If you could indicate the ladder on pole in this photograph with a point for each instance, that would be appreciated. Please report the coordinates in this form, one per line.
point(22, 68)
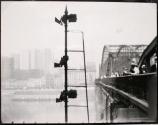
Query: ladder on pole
point(85, 78)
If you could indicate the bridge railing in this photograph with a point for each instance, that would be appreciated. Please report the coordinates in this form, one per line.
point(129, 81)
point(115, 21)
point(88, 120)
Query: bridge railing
point(140, 90)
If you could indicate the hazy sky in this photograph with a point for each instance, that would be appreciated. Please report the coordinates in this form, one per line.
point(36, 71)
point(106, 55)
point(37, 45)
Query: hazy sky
point(30, 24)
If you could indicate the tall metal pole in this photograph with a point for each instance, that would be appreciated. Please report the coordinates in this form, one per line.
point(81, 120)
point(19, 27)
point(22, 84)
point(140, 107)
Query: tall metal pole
point(66, 98)
point(64, 19)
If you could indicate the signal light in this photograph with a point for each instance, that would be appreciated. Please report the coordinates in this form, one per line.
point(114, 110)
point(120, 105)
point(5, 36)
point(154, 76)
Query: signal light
point(58, 100)
point(57, 65)
point(62, 62)
point(72, 18)
point(72, 93)
point(62, 97)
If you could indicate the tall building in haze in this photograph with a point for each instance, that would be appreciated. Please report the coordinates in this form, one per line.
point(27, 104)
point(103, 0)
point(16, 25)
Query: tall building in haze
point(34, 60)
point(7, 67)
point(16, 59)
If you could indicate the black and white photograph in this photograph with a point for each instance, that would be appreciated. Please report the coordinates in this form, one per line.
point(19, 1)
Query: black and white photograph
point(79, 62)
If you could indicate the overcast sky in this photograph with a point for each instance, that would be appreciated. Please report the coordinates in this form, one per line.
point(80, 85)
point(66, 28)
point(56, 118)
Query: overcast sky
point(30, 24)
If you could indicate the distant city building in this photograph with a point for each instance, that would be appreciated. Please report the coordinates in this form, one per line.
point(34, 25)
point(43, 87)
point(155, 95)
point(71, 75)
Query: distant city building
point(16, 59)
point(24, 60)
point(48, 60)
point(49, 80)
point(7, 67)
point(43, 60)
point(33, 65)
point(34, 59)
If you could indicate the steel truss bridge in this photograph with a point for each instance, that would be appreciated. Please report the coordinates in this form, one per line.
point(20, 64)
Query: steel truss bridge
point(131, 98)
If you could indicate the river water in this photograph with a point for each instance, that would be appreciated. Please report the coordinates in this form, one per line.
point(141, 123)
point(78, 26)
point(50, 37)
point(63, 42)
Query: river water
point(39, 106)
